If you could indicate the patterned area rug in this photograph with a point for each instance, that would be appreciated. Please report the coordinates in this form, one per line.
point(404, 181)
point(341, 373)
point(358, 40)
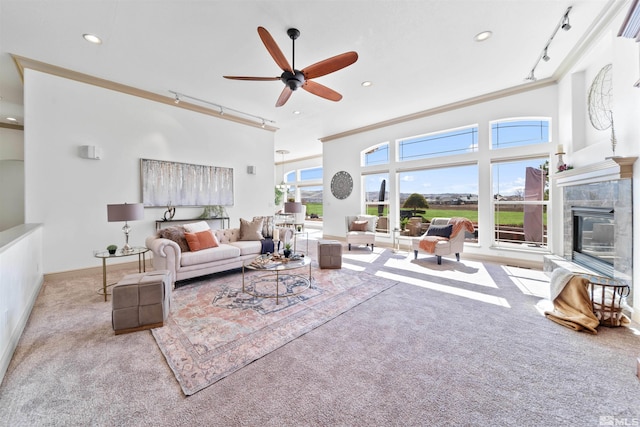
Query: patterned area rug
point(215, 329)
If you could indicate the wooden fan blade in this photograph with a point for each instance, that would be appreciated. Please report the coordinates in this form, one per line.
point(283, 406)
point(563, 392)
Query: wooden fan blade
point(321, 90)
point(330, 65)
point(274, 50)
point(260, 79)
point(284, 96)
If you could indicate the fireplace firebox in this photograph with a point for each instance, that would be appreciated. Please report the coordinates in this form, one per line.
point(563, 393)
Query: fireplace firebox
point(594, 244)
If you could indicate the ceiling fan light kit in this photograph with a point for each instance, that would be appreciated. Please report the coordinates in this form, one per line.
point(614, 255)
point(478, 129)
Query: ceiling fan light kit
point(294, 79)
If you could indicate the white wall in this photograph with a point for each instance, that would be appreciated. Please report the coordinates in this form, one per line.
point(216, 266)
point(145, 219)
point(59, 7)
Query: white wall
point(624, 56)
point(344, 154)
point(20, 281)
point(11, 178)
point(69, 194)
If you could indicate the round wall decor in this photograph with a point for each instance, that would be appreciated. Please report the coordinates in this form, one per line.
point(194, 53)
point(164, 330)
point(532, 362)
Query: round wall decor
point(341, 185)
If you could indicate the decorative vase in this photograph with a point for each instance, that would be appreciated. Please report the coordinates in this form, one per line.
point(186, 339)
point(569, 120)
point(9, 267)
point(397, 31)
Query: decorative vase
point(287, 253)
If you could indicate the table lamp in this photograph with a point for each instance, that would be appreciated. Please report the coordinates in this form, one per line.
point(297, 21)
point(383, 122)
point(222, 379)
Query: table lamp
point(292, 207)
point(125, 212)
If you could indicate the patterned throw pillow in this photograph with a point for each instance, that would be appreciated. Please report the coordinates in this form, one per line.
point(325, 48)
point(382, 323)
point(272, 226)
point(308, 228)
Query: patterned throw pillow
point(359, 225)
point(251, 230)
point(177, 235)
point(440, 230)
point(201, 240)
point(267, 226)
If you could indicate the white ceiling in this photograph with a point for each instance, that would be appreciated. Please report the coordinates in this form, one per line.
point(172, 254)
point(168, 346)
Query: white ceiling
point(418, 54)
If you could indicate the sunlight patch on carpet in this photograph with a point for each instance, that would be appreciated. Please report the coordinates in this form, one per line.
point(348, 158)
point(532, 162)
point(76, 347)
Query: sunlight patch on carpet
point(465, 271)
point(530, 282)
point(478, 296)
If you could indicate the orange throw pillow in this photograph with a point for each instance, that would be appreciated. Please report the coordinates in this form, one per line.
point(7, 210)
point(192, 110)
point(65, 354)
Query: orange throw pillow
point(201, 240)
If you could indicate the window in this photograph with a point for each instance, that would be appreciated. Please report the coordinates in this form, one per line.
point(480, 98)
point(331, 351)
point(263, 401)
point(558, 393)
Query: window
point(376, 196)
point(311, 197)
point(520, 198)
point(314, 174)
point(449, 192)
point(514, 133)
point(456, 141)
point(377, 155)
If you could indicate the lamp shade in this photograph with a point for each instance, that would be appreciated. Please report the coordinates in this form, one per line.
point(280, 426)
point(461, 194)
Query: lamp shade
point(125, 212)
point(293, 207)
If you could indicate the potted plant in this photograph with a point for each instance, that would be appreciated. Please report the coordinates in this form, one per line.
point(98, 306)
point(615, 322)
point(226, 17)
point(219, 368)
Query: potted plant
point(112, 249)
point(287, 250)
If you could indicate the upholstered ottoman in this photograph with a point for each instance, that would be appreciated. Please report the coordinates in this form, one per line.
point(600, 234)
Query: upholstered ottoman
point(141, 301)
point(329, 254)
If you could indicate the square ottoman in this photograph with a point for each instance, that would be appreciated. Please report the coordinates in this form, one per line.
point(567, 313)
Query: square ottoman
point(329, 254)
point(141, 301)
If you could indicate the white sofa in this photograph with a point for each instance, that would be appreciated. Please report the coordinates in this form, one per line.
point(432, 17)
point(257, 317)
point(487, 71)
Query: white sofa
point(230, 253)
point(361, 237)
point(444, 246)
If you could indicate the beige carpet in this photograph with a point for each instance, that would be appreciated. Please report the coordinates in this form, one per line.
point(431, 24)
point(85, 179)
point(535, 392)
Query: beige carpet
point(456, 344)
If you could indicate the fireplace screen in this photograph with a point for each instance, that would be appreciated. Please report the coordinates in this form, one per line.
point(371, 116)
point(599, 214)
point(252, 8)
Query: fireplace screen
point(594, 238)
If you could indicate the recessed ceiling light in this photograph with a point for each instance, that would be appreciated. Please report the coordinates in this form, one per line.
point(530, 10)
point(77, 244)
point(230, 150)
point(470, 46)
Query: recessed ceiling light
point(480, 37)
point(296, 112)
point(12, 119)
point(92, 38)
point(366, 83)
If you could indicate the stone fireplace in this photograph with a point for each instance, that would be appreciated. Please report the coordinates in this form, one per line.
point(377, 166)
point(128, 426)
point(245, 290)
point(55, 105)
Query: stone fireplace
point(598, 217)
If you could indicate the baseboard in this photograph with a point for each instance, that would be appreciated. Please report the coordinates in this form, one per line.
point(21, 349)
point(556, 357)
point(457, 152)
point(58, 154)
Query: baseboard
point(72, 274)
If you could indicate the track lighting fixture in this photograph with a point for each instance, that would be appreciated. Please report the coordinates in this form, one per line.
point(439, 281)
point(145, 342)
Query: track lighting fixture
point(564, 24)
point(180, 96)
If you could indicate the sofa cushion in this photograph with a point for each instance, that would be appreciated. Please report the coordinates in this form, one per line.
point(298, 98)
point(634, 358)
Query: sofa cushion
point(440, 230)
point(175, 234)
point(359, 225)
point(248, 247)
point(251, 230)
point(201, 240)
point(196, 227)
point(210, 255)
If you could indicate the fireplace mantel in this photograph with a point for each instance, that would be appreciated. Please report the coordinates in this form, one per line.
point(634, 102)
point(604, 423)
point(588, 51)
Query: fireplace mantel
point(612, 168)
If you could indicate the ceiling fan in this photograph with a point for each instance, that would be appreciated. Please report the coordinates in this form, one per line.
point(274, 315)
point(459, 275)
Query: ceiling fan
point(294, 79)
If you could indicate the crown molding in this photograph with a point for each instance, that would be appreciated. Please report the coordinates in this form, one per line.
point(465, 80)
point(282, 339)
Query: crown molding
point(11, 126)
point(444, 108)
point(27, 63)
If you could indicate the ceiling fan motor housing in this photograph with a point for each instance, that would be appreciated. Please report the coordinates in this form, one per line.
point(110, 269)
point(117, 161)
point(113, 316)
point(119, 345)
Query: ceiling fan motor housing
point(293, 81)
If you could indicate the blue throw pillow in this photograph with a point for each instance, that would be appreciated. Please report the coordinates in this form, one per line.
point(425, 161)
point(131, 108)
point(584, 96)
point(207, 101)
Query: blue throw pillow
point(440, 230)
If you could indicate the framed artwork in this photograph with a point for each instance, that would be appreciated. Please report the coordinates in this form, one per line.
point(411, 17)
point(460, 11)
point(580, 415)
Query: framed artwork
point(183, 184)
